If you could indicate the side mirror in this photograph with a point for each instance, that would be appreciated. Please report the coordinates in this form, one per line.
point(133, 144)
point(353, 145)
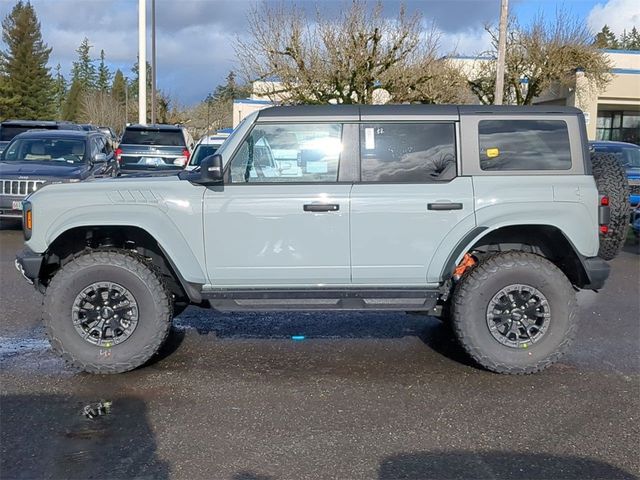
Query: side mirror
point(100, 158)
point(211, 170)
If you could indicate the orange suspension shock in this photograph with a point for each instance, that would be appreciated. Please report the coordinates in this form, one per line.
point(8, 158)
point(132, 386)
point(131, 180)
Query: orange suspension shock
point(466, 263)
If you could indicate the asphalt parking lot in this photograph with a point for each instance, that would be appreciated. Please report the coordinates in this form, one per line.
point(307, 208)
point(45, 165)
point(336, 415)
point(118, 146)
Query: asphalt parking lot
point(371, 396)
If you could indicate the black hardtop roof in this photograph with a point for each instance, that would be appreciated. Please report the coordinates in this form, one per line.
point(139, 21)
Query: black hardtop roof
point(153, 126)
point(70, 134)
point(410, 109)
point(29, 123)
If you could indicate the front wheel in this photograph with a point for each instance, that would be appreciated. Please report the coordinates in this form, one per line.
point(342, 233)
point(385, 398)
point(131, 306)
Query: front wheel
point(514, 313)
point(107, 311)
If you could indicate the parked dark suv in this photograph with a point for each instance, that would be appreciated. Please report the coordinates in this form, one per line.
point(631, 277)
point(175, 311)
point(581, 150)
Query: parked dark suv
point(154, 148)
point(11, 128)
point(37, 157)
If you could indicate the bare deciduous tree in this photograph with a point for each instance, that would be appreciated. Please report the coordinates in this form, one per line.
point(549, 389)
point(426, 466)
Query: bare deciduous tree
point(101, 108)
point(541, 56)
point(345, 59)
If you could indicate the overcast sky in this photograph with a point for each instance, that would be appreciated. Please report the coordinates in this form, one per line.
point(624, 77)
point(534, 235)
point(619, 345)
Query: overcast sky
point(195, 37)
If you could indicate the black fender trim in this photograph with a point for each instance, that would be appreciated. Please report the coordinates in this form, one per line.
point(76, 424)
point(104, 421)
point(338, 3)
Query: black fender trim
point(192, 290)
point(29, 263)
point(462, 245)
point(597, 271)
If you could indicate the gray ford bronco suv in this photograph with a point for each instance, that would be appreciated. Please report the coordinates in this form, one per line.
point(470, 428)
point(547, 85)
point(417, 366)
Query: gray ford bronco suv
point(489, 217)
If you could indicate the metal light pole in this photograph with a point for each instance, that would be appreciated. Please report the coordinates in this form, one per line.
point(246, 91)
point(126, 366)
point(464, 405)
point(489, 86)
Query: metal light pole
point(142, 61)
point(502, 46)
point(153, 61)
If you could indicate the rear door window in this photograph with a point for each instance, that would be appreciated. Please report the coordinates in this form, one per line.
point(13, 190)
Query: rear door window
point(524, 145)
point(407, 152)
point(170, 138)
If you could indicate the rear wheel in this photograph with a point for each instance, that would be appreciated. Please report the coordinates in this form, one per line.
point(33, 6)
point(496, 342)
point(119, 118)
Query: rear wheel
point(107, 311)
point(611, 180)
point(514, 313)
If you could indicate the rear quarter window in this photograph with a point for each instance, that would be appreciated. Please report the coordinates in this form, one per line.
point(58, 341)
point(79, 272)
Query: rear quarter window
point(511, 145)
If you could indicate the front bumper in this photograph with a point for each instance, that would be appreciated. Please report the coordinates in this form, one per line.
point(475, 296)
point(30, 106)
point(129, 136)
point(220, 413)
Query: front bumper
point(597, 271)
point(6, 206)
point(28, 263)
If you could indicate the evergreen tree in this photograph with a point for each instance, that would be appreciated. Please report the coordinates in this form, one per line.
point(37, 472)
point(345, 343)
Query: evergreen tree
point(59, 91)
point(83, 70)
point(606, 39)
point(119, 86)
point(231, 90)
point(73, 105)
point(26, 89)
point(133, 86)
point(633, 41)
point(624, 39)
point(104, 75)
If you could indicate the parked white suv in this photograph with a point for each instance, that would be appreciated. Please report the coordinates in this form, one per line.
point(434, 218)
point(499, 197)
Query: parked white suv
point(207, 145)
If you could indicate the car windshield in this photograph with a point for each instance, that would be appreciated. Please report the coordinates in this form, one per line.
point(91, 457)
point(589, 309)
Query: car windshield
point(629, 156)
point(136, 136)
point(45, 150)
point(201, 152)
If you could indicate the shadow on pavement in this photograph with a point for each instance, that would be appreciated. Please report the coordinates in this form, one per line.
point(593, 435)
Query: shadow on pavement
point(11, 224)
point(250, 476)
point(317, 325)
point(48, 436)
point(458, 465)
point(261, 325)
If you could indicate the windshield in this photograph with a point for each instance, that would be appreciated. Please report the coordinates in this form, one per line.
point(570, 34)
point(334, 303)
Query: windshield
point(201, 152)
point(170, 138)
point(45, 150)
point(629, 156)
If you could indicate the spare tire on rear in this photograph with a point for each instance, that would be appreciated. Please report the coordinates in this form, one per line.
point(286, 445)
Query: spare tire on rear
point(611, 180)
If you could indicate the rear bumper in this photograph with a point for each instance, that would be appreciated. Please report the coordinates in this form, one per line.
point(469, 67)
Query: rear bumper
point(597, 271)
point(28, 263)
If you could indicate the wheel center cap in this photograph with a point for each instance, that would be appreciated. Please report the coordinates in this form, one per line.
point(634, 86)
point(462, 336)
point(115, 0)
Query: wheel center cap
point(106, 312)
point(516, 314)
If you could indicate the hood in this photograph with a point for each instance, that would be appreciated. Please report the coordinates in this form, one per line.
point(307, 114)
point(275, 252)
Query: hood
point(30, 169)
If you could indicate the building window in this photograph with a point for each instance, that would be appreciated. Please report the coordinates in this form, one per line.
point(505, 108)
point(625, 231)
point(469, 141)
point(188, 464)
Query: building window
point(621, 126)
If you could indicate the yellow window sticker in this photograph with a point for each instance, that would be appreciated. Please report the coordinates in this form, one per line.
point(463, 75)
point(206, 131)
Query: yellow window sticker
point(493, 152)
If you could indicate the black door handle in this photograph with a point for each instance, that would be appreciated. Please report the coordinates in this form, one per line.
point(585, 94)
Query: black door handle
point(321, 207)
point(444, 206)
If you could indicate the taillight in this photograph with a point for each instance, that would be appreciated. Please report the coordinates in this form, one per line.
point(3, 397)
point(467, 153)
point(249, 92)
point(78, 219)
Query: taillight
point(604, 215)
point(119, 155)
point(186, 153)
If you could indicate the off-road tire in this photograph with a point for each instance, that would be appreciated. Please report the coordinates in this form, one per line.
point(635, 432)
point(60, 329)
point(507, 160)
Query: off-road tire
point(133, 273)
point(611, 180)
point(473, 293)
